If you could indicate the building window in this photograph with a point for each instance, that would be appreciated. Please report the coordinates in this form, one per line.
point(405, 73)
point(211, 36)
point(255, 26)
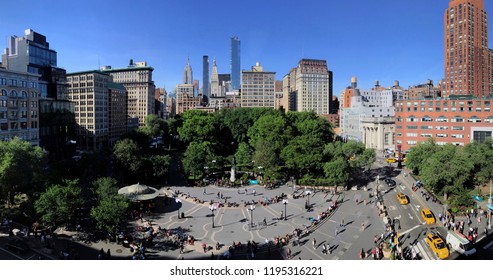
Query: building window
point(442, 119)
point(412, 127)
point(441, 135)
point(426, 135)
point(441, 127)
point(481, 136)
point(411, 134)
point(457, 135)
point(457, 128)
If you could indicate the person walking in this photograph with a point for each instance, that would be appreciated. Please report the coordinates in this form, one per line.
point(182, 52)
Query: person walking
point(314, 242)
point(289, 253)
point(342, 223)
point(362, 254)
point(324, 249)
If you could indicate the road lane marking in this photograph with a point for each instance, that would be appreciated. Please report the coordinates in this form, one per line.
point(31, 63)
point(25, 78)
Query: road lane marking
point(409, 230)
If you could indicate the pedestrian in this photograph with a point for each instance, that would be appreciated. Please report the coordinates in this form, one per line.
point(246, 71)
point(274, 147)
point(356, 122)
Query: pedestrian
point(253, 191)
point(375, 239)
point(101, 254)
point(238, 191)
point(342, 223)
point(204, 191)
point(314, 242)
point(182, 248)
point(212, 255)
point(204, 246)
point(324, 249)
point(108, 254)
point(362, 226)
point(282, 215)
point(337, 231)
point(218, 195)
point(362, 254)
point(289, 253)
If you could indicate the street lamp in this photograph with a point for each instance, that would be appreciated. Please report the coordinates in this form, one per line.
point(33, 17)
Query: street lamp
point(285, 202)
point(252, 207)
point(212, 208)
point(178, 201)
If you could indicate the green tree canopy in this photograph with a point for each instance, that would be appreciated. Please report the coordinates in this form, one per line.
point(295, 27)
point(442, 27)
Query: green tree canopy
point(128, 153)
point(337, 171)
point(59, 204)
point(272, 129)
point(20, 163)
point(105, 187)
point(419, 154)
point(198, 126)
point(109, 214)
point(154, 126)
point(244, 155)
point(448, 168)
point(197, 156)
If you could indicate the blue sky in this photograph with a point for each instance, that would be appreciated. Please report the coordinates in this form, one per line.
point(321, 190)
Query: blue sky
point(383, 40)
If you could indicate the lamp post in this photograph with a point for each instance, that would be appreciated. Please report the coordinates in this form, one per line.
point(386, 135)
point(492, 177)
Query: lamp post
point(285, 202)
point(178, 201)
point(212, 208)
point(251, 208)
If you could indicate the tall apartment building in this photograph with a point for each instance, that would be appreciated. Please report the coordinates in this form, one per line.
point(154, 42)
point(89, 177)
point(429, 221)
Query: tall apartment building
point(308, 87)
point(205, 76)
point(19, 106)
point(258, 88)
point(235, 60)
point(137, 79)
point(90, 93)
point(466, 53)
point(31, 53)
point(422, 91)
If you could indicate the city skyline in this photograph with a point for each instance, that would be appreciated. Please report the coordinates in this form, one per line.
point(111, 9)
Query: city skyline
point(401, 41)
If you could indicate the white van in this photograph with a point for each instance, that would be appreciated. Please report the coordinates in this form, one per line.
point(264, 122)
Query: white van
point(459, 243)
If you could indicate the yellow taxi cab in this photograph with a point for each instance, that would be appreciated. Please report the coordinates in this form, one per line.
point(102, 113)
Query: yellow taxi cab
point(390, 160)
point(402, 198)
point(428, 216)
point(437, 245)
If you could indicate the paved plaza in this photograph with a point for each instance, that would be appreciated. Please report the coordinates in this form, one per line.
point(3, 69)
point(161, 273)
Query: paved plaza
point(346, 231)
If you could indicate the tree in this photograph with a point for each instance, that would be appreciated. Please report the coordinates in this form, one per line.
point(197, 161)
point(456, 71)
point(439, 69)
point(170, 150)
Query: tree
point(159, 165)
point(367, 158)
point(127, 152)
point(154, 126)
point(271, 128)
point(197, 156)
point(418, 155)
point(105, 187)
point(481, 155)
point(337, 171)
point(447, 169)
point(110, 213)
point(198, 126)
point(20, 163)
point(59, 204)
point(244, 155)
point(266, 159)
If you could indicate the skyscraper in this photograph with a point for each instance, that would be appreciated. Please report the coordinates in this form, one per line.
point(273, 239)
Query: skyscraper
point(214, 80)
point(466, 53)
point(205, 76)
point(235, 63)
point(187, 74)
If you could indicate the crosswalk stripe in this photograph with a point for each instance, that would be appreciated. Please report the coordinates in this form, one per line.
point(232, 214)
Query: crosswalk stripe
point(422, 251)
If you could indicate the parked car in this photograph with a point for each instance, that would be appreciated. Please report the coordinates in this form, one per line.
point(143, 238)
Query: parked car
point(18, 246)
